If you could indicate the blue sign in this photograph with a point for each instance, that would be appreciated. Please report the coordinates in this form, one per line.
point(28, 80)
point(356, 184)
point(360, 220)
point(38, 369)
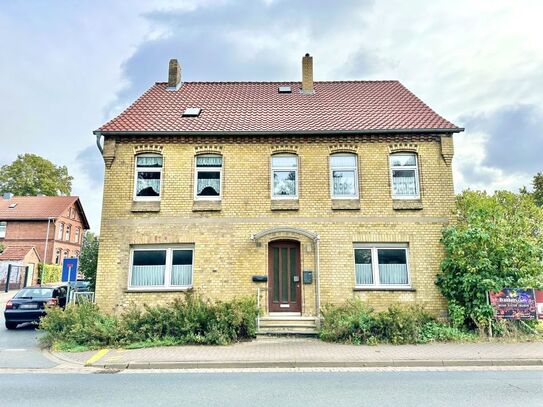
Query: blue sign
point(69, 270)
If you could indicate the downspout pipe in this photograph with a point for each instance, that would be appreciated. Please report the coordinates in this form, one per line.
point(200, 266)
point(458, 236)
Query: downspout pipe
point(98, 144)
point(318, 272)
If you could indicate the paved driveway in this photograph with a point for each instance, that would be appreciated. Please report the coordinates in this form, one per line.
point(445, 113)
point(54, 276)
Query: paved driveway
point(19, 348)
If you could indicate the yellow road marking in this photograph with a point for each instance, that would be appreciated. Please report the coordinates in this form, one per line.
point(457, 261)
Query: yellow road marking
point(96, 357)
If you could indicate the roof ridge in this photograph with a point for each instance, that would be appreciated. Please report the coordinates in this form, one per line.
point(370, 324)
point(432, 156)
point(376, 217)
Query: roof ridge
point(282, 82)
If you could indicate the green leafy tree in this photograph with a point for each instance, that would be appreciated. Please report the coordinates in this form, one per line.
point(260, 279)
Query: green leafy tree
point(88, 259)
point(497, 242)
point(31, 175)
point(538, 188)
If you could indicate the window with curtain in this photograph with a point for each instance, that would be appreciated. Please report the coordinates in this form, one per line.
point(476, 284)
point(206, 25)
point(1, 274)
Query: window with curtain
point(381, 265)
point(3, 227)
point(76, 235)
point(344, 176)
point(68, 231)
point(405, 176)
point(208, 177)
point(60, 233)
point(148, 176)
point(284, 176)
point(161, 267)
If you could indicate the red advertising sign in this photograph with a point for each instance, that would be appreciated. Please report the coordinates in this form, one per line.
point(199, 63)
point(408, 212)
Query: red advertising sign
point(539, 303)
point(513, 303)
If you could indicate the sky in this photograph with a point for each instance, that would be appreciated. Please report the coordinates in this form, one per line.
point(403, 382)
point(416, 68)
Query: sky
point(66, 67)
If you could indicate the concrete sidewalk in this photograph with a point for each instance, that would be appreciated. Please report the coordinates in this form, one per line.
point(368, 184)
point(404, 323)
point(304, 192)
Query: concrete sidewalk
point(297, 352)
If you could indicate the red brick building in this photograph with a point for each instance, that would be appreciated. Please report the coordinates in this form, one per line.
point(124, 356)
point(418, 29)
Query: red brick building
point(32, 221)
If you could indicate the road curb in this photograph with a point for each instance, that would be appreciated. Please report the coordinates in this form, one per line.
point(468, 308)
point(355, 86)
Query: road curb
point(317, 364)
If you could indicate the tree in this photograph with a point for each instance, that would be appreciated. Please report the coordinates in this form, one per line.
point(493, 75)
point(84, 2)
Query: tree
point(538, 188)
point(31, 175)
point(497, 242)
point(88, 259)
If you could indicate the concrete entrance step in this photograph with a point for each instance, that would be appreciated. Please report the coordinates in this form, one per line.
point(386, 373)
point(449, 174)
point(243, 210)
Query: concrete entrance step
point(287, 325)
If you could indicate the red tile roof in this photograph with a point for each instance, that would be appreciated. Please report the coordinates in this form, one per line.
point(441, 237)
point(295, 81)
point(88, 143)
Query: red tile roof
point(257, 107)
point(38, 207)
point(17, 253)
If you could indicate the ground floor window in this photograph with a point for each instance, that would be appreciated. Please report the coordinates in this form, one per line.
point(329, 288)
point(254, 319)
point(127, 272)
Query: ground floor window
point(161, 267)
point(381, 265)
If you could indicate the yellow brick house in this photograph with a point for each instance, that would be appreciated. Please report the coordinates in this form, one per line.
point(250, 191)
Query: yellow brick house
point(297, 193)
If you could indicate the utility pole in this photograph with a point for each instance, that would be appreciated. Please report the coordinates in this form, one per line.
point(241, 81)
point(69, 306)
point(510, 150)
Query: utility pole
point(49, 219)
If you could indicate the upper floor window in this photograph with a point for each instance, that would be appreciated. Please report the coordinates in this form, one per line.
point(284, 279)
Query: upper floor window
point(404, 175)
point(76, 235)
point(284, 176)
point(208, 176)
point(68, 232)
point(57, 256)
point(3, 227)
point(344, 176)
point(381, 265)
point(60, 233)
point(148, 176)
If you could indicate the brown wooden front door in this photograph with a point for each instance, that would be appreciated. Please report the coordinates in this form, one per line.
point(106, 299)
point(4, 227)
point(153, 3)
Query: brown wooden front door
point(284, 280)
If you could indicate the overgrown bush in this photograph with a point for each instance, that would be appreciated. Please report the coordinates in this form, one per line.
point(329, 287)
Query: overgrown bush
point(354, 322)
point(497, 242)
point(192, 320)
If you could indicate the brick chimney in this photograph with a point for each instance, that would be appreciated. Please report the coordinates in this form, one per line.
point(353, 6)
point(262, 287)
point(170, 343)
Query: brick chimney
point(174, 75)
point(307, 75)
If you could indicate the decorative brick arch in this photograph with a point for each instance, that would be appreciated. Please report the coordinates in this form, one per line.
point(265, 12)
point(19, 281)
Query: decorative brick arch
point(284, 232)
point(285, 149)
point(148, 148)
point(343, 148)
point(208, 149)
point(403, 147)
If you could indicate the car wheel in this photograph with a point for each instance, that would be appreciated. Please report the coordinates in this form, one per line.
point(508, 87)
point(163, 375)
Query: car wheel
point(11, 325)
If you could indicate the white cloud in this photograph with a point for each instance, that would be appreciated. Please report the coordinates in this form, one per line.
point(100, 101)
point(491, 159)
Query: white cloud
point(67, 66)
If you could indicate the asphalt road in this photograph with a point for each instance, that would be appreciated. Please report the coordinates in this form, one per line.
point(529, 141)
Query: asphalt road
point(19, 348)
point(429, 388)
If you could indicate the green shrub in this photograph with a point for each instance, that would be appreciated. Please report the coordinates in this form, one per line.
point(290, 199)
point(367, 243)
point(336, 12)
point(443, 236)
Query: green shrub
point(50, 273)
point(192, 320)
point(353, 322)
point(496, 242)
point(401, 325)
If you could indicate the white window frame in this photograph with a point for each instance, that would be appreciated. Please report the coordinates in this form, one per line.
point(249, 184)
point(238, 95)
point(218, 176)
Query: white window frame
point(281, 169)
point(374, 247)
point(207, 169)
point(167, 273)
point(147, 169)
point(77, 234)
point(410, 167)
point(60, 232)
point(332, 169)
point(67, 232)
point(3, 229)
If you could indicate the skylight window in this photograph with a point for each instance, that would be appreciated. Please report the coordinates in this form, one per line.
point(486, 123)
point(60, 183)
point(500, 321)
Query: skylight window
point(285, 89)
point(192, 112)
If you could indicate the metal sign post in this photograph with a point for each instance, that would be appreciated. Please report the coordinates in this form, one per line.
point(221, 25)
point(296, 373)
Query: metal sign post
point(69, 274)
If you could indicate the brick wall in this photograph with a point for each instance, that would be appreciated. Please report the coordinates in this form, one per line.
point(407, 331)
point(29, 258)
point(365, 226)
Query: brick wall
point(225, 257)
